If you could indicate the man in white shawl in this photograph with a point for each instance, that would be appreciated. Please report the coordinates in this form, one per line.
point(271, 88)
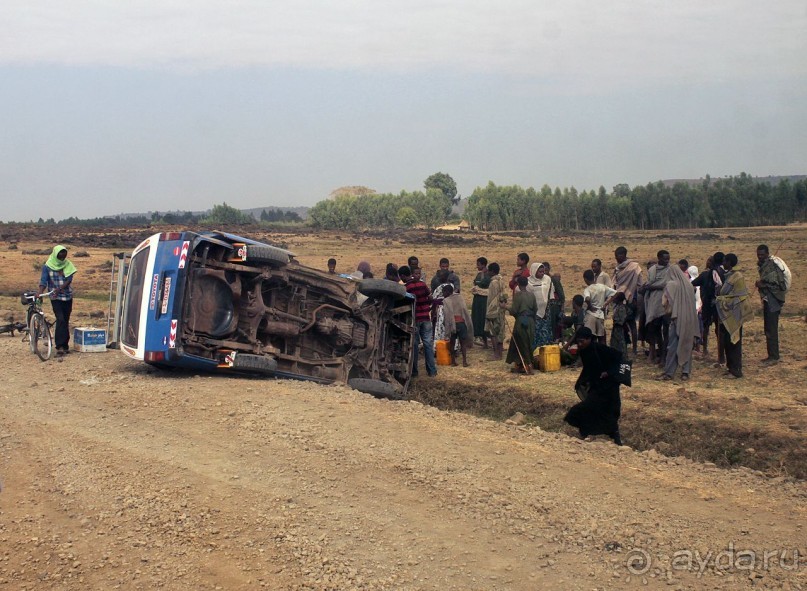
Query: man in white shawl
point(678, 300)
point(539, 284)
point(627, 277)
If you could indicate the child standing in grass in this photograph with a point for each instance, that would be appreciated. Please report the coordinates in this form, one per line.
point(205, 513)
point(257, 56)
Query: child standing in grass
point(619, 316)
point(458, 323)
point(571, 324)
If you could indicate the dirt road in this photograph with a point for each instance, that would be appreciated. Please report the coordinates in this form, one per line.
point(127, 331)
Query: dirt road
point(115, 476)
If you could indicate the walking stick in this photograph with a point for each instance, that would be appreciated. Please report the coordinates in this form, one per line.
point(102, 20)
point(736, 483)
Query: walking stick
point(520, 356)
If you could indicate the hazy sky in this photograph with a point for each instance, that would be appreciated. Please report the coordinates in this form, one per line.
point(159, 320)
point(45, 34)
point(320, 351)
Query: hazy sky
point(110, 107)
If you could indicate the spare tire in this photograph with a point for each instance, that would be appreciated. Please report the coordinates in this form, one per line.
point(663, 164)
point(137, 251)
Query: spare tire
point(255, 364)
point(212, 310)
point(377, 388)
point(263, 253)
point(378, 288)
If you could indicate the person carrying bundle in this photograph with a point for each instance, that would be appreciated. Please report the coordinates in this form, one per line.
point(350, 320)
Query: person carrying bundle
point(773, 283)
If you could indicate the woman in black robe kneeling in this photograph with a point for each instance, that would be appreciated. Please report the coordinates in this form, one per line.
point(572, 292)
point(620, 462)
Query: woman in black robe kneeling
point(598, 413)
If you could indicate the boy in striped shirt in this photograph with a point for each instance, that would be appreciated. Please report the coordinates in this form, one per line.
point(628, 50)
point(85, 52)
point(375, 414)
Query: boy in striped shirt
point(423, 324)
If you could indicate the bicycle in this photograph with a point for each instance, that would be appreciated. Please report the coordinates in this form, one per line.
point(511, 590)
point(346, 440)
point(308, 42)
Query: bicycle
point(13, 326)
point(40, 338)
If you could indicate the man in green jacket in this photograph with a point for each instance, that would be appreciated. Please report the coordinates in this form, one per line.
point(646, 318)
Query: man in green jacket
point(772, 287)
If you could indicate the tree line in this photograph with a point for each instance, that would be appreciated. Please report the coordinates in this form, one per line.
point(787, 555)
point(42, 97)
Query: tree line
point(732, 201)
point(222, 215)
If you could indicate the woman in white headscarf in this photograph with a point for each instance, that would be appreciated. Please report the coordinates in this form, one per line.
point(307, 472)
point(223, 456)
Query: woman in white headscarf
point(539, 284)
point(693, 274)
point(438, 313)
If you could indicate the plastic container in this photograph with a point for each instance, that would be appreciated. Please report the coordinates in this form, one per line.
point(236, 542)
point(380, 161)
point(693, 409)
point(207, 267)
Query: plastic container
point(443, 353)
point(89, 339)
point(549, 358)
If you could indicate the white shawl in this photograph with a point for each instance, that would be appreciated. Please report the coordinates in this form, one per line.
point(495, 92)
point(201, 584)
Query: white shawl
point(541, 289)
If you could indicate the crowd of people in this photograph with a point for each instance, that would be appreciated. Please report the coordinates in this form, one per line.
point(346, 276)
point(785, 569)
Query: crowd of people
point(671, 308)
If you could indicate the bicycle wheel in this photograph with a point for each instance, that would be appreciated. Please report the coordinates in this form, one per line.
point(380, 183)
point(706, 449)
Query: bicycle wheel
point(29, 328)
point(43, 341)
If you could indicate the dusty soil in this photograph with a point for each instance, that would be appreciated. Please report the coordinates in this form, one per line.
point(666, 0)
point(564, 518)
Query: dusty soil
point(118, 476)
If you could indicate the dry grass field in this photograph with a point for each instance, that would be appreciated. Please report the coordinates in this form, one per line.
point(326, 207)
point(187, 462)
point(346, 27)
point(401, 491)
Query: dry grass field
point(759, 421)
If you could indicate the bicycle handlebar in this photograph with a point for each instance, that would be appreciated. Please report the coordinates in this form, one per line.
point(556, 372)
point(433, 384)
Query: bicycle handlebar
point(40, 296)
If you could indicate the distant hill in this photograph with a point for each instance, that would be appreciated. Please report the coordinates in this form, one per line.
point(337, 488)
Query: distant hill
point(772, 180)
point(254, 212)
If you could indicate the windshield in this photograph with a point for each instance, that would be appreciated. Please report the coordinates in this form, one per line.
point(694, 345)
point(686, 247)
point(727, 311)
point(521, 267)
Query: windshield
point(135, 284)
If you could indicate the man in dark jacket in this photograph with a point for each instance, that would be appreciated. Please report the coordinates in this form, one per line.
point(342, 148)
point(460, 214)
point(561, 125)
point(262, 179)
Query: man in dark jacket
point(452, 277)
point(772, 287)
point(557, 302)
point(705, 281)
